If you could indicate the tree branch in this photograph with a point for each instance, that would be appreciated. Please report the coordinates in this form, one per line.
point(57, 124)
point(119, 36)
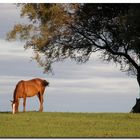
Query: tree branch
point(124, 55)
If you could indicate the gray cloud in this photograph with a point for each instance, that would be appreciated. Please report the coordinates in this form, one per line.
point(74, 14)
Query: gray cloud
point(9, 16)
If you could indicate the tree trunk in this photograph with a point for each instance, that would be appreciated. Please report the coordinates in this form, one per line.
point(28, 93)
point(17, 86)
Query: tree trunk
point(138, 78)
point(136, 107)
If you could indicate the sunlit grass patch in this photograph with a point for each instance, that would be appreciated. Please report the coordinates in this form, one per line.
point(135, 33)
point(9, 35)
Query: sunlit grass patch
point(55, 124)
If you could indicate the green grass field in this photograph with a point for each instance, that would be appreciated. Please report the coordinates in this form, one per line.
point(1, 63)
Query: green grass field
point(53, 124)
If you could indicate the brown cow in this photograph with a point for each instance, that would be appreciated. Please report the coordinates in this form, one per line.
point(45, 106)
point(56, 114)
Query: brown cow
point(28, 89)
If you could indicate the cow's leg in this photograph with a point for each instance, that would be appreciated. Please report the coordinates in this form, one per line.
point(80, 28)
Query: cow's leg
point(41, 103)
point(17, 105)
point(40, 96)
point(24, 104)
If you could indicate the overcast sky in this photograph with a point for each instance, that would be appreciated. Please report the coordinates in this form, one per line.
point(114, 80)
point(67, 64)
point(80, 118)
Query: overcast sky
point(91, 87)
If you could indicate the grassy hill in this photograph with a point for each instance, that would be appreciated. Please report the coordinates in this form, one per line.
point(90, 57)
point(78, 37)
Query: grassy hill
point(53, 124)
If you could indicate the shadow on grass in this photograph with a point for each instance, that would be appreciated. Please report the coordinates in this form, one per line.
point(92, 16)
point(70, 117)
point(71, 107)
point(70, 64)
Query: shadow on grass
point(20, 112)
point(5, 112)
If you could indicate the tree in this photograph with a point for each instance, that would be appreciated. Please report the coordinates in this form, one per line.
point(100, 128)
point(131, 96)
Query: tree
point(59, 31)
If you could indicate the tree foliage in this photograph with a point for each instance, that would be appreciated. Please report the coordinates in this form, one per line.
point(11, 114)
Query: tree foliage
point(110, 29)
point(47, 22)
point(60, 31)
